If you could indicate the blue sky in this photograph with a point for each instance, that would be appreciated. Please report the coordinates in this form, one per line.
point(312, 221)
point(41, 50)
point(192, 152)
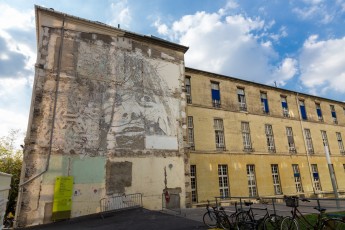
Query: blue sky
point(299, 44)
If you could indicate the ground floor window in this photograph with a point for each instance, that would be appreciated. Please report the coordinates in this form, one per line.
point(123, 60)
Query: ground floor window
point(276, 179)
point(193, 183)
point(297, 177)
point(223, 180)
point(316, 178)
point(251, 180)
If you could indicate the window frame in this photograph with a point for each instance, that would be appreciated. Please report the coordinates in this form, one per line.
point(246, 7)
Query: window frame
point(190, 132)
point(297, 178)
point(264, 102)
point(309, 141)
point(241, 98)
point(316, 177)
point(193, 184)
point(251, 178)
point(325, 140)
point(216, 97)
point(303, 110)
point(285, 108)
point(188, 86)
point(219, 134)
point(270, 138)
point(276, 179)
point(340, 143)
point(333, 114)
point(246, 137)
point(291, 145)
point(223, 180)
point(319, 111)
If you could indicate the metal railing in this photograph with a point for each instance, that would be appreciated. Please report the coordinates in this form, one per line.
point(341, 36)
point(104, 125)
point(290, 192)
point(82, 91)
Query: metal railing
point(118, 202)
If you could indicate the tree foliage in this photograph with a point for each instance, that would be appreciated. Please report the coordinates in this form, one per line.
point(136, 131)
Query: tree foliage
point(11, 163)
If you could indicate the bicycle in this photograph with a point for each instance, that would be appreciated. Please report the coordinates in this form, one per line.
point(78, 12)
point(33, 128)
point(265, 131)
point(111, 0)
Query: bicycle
point(323, 222)
point(216, 217)
point(246, 219)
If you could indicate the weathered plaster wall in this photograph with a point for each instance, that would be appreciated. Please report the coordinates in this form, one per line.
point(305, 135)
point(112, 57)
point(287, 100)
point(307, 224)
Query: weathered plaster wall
point(118, 122)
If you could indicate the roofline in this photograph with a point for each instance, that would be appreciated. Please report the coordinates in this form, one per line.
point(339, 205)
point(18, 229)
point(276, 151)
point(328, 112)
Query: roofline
point(126, 33)
point(189, 69)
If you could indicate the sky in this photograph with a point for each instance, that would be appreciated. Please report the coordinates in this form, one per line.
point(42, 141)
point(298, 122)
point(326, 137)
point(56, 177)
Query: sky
point(298, 45)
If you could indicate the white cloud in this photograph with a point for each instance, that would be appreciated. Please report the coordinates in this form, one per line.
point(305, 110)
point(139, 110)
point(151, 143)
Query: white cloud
point(120, 14)
point(322, 65)
point(234, 45)
point(14, 19)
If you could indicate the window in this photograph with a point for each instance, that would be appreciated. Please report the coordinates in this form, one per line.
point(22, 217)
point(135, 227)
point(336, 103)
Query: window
point(316, 178)
point(276, 180)
point(309, 141)
point(285, 106)
point(340, 143)
point(270, 138)
point(264, 102)
point(291, 142)
point(215, 94)
point(334, 115)
point(188, 91)
point(318, 111)
point(302, 110)
point(190, 133)
point(297, 177)
point(193, 183)
point(219, 131)
point(325, 140)
point(251, 180)
point(241, 99)
point(247, 144)
point(223, 180)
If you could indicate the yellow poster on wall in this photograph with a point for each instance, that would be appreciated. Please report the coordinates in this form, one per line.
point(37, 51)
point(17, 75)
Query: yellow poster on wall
point(62, 203)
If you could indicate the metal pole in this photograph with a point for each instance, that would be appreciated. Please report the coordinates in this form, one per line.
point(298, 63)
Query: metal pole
point(331, 173)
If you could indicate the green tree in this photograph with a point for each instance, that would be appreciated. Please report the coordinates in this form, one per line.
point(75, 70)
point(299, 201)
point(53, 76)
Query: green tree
point(11, 162)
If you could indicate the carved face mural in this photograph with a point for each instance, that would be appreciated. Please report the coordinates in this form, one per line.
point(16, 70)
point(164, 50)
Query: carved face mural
point(142, 103)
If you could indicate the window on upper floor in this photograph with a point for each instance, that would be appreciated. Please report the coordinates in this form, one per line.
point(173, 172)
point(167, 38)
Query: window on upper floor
point(219, 134)
point(247, 143)
point(318, 112)
point(291, 141)
point(215, 94)
point(309, 141)
point(190, 132)
point(285, 107)
point(270, 138)
point(188, 90)
point(302, 110)
point(241, 99)
point(264, 102)
point(334, 115)
point(340, 143)
point(325, 140)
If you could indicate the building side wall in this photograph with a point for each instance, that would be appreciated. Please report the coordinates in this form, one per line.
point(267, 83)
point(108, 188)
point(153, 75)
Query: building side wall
point(206, 157)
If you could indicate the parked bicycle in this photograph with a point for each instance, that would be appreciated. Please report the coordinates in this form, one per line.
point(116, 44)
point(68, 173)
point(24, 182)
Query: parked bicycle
point(246, 219)
point(322, 222)
point(215, 217)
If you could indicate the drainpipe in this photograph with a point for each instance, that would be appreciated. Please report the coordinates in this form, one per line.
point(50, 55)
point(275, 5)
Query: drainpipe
point(19, 201)
point(305, 145)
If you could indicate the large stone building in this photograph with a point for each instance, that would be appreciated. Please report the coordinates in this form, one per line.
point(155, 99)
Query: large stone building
point(115, 112)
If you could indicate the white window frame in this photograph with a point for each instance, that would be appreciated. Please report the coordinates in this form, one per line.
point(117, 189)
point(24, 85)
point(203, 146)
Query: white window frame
point(276, 179)
point(223, 180)
point(309, 141)
point(263, 95)
point(340, 143)
point(219, 134)
point(270, 138)
point(193, 184)
point(325, 140)
point(190, 125)
point(251, 181)
point(241, 99)
point(215, 85)
point(298, 180)
point(286, 112)
point(291, 140)
point(318, 106)
point(188, 90)
point(247, 143)
point(332, 108)
point(316, 180)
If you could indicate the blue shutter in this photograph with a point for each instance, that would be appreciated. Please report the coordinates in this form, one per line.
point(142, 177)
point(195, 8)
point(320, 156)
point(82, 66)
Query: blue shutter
point(303, 112)
point(319, 113)
point(296, 174)
point(334, 115)
point(316, 175)
point(284, 105)
point(215, 94)
point(265, 104)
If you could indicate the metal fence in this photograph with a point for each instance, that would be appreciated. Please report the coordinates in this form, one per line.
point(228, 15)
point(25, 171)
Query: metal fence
point(118, 202)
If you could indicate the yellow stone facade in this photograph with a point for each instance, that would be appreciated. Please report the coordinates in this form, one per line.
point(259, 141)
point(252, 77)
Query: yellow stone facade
point(205, 158)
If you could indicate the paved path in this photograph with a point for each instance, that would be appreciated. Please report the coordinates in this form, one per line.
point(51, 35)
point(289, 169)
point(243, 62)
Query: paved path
point(132, 219)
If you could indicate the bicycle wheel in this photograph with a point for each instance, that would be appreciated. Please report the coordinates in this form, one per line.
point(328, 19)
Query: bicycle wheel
point(333, 224)
point(289, 223)
point(224, 221)
point(210, 219)
point(232, 220)
point(244, 221)
point(272, 222)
